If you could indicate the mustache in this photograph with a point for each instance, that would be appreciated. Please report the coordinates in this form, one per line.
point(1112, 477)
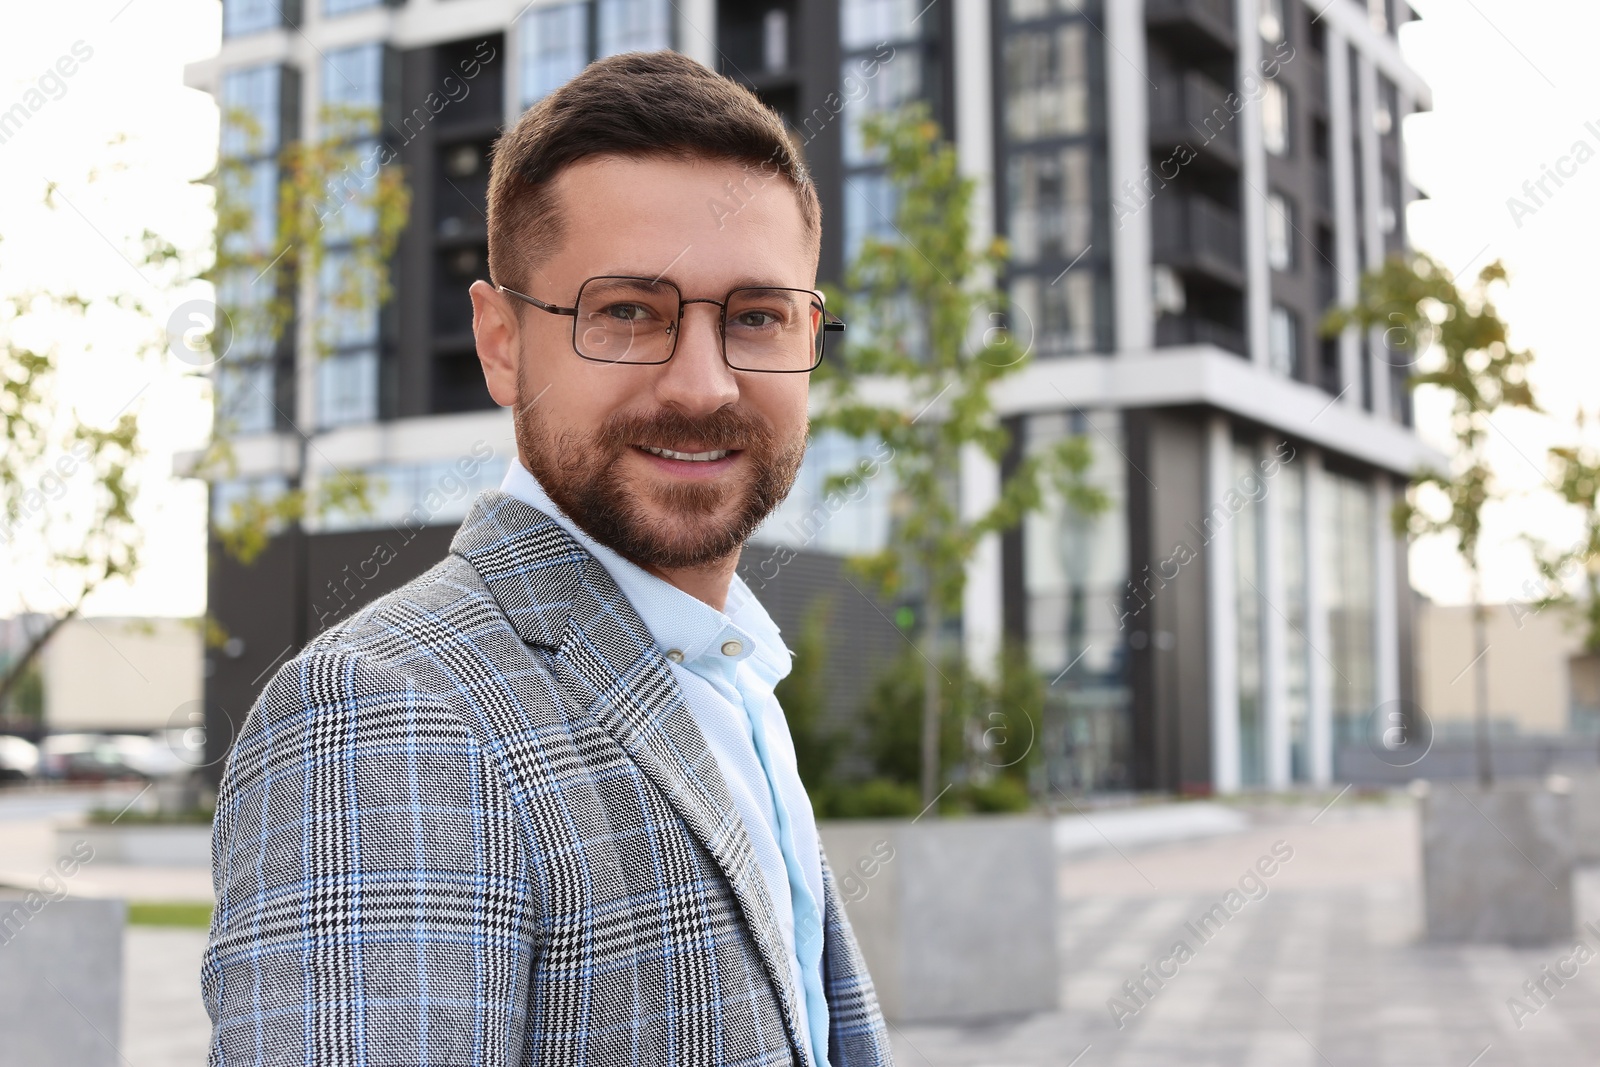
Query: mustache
point(727, 427)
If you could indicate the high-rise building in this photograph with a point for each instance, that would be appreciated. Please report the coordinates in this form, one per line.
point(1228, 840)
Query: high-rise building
point(1186, 187)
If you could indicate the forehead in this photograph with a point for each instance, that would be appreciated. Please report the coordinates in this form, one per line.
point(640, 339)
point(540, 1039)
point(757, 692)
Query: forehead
point(701, 223)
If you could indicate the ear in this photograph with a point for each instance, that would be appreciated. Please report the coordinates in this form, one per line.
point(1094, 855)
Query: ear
point(499, 341)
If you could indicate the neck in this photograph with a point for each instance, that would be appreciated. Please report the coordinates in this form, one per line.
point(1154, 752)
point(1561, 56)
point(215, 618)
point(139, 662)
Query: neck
point(708, 583)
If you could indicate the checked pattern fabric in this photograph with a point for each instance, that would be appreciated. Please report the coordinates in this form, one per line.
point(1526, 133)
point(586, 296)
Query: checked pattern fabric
point(476, 824)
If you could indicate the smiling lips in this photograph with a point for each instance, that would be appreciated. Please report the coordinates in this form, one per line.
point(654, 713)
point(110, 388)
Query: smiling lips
point(689, 457)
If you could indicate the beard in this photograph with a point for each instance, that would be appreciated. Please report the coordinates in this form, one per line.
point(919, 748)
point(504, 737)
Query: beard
point(677, 525)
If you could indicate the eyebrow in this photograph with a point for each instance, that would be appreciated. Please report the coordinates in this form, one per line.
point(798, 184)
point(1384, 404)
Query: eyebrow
point(746, 281)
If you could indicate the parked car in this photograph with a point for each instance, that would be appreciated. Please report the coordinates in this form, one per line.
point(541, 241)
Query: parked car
point(104, 757)
point(19, 758)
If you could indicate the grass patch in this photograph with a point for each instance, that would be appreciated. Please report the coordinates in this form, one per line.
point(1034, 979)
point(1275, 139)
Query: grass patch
point(191, 817)
point(183, 913)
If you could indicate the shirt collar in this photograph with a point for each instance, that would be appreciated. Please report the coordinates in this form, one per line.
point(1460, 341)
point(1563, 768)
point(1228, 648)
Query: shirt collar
point(677, 621)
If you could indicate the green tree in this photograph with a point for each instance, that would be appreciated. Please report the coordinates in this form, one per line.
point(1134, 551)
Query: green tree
point(915, 304)
point(77, 540)
point(803, 696)
point(1468, 354)
point(1577, 481)
point(340, 189)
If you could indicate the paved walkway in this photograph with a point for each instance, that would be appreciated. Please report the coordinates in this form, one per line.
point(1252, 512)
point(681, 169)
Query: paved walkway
point(1325, 969)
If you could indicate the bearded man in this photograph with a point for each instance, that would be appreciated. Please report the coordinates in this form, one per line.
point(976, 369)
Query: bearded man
point(540, 806)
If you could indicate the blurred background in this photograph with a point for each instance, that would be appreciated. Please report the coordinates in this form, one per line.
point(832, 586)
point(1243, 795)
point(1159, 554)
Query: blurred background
point(1263, 728)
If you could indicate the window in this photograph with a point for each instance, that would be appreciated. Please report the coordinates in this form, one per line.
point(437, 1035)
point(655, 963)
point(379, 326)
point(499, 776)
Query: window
point(345, 7)
point(1050, 204)
point(1271, 22)
point(1248, 581)
point(864, 23)
point(1055, 317)
point(253, 16)
point(1347, 583)
point(634, 26)
point(869, 209)
point(1290, 498)
point(347, 388)
point(1047, 85)
point(558, 41)
point(555, 48)
point(349, 312)
point(352, 89)
point(1283, 341)
point(1280, 232)
point(1023, 10)
point(243, 395)
point(1275, 119)
point(252, 108)
point(898, 83)
point(347, 297)
point(1074, 576)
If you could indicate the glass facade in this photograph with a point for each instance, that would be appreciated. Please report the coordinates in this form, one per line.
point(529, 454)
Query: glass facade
point(1289, 497)
point(1053, 180)
point(1249, 581)
point(1347, 577)
point(1074, 566)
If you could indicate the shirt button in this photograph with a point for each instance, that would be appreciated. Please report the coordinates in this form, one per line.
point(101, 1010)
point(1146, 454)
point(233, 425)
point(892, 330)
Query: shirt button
point(732, 648)
point(675, 655)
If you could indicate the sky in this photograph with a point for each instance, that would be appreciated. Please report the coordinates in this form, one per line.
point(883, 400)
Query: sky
point(1515, 89)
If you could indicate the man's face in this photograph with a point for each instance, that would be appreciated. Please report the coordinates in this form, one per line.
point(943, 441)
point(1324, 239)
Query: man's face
point(593, 433)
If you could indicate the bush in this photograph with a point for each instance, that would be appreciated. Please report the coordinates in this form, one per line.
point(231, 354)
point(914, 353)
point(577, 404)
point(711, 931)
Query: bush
point(876, 798)
point(1001, 794)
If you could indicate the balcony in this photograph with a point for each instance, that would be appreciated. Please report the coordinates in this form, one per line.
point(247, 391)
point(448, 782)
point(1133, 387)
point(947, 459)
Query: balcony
point(1198, 236)
point(1212, 20)
point(1189, 109)
point(1192, 330)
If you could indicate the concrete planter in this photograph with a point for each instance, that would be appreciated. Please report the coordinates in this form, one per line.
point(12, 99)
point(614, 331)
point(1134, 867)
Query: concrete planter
point(956, 917)
point(1497, 865)
point(141, 846)
point(60, 968)
point(1586, 817)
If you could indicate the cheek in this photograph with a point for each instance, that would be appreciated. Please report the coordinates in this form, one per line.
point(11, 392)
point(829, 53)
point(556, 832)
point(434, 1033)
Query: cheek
point(783, 401)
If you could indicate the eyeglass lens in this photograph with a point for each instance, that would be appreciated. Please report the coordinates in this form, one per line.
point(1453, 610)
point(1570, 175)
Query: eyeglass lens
point(635, 320)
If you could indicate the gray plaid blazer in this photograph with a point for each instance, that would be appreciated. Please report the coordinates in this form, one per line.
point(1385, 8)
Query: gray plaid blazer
point(476, 824)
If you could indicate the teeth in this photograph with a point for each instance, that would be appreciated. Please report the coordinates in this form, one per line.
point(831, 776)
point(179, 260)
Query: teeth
point(692, 457)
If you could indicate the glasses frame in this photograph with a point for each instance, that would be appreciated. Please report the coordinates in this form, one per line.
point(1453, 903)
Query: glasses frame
point(831, 323)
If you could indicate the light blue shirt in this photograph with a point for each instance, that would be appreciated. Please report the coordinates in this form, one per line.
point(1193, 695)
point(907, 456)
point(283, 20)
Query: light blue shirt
point(727, 663)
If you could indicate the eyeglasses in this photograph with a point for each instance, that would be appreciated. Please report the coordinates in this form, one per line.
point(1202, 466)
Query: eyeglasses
point(623, 319)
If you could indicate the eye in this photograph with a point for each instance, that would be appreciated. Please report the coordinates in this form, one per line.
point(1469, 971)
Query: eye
point(626, 312)
point(756, 319)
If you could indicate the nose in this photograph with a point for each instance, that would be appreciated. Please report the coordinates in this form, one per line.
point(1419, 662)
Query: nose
point(697, 380)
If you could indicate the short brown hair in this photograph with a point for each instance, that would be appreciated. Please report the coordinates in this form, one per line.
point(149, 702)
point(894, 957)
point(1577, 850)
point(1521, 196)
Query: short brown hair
point(633, 104)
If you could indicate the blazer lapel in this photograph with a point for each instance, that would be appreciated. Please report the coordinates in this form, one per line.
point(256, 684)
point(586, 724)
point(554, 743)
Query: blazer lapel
point(558, 596)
